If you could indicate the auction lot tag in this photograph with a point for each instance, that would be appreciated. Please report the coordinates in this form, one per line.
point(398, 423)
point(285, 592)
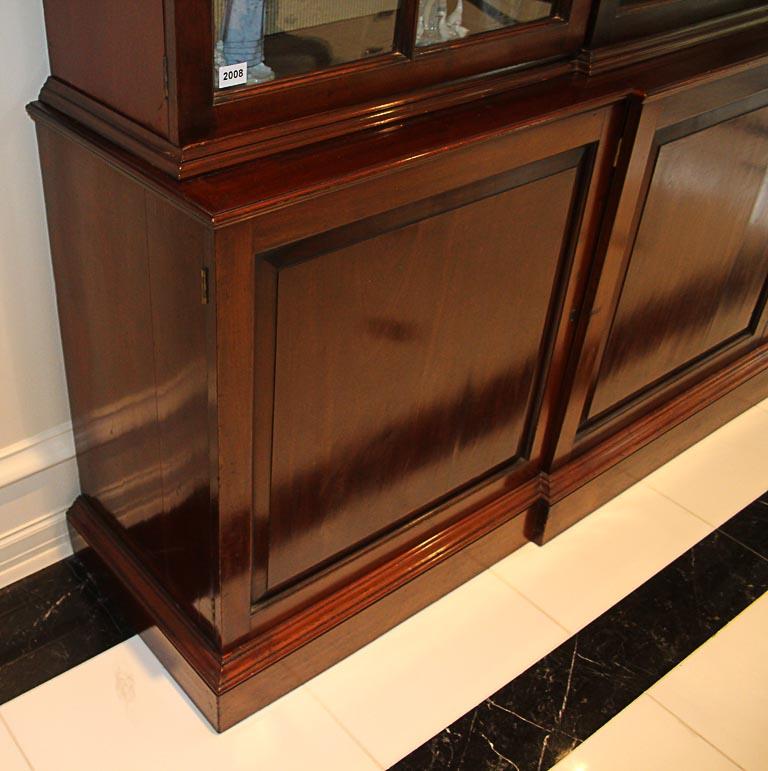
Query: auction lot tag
point(233, 75)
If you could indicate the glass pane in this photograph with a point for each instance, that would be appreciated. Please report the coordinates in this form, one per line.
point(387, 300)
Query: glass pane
point(259, 40)
point(443, 20)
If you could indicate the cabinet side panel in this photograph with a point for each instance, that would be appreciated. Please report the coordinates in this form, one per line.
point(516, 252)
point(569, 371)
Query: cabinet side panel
point(127, 270)
point(698, 268)
point(177, 252)
point(112, 51)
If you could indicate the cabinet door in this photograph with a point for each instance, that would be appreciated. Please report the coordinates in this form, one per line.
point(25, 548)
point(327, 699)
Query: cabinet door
point(404, 330)
point(406, 364)
point(683, 291)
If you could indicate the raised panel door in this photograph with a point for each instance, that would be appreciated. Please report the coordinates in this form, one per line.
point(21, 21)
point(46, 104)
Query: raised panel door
point(698, 268)
point(406, 363)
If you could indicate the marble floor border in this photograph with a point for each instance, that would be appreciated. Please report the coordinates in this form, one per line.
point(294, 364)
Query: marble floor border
point(537, 719)
point(59, 618)
point(52, 621)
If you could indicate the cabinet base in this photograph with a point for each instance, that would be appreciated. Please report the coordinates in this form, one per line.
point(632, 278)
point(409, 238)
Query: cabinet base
point(228, 685)
point(224, 685)
point(617, 465)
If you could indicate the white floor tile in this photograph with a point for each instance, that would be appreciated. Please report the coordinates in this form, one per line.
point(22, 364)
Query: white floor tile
point(723, 473)
point(721, 690)
point(749, 429)
point(11, 758)
point(120, 711)
point(403, 688)
point(645, 737)
point(763, 405)
point(590, 567)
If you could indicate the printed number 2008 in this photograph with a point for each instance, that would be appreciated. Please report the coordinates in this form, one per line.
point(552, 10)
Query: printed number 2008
point(233, 74)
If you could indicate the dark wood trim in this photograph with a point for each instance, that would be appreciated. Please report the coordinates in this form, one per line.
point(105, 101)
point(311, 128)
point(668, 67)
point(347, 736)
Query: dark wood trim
point(601, 59)
point(580, 487)
point(129, 134)
point(154, 601)
point(567, 478)
point(721, 58)
point(235, 281)
point(384, 79)
point(191, 160)
point(376, 619)
point(597, 312)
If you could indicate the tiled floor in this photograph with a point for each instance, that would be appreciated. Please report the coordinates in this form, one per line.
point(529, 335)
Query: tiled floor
point(711, 711)
point(541, 616)
point(51, 622)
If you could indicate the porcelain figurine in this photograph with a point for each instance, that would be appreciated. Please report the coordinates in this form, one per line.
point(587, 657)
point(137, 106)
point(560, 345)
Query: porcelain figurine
point(242, 38)
point(436, 25)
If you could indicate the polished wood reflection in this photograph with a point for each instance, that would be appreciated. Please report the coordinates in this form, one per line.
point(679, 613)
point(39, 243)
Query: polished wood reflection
point(405, 367)
point(127, 267)
point(698, 268)
point(434, 324)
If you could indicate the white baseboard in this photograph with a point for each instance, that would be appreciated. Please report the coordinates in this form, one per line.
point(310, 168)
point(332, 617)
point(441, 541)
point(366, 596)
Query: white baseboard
point(38, 482)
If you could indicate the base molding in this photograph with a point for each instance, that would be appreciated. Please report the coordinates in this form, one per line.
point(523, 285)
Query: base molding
point(229, 686)
point(33, 546)
point(622, 461)
point(38, 479)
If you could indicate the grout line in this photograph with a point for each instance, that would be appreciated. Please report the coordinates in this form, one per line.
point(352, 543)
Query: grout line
point(687, 725)
point(517, 591)
point(741, 543)
point(712, 528)
point(645, 579)
point(16, 742)
point(341, 725)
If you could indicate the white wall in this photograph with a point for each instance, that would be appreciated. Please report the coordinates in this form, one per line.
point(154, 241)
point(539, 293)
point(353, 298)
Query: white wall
point(38, 477)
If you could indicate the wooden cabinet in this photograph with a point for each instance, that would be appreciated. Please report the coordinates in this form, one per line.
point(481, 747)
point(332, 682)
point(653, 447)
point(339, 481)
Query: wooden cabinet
point(627, 31)
point(338, 340)
point(438, 316)
point(683, 289)
point(693, 285)
point(435, 323)
point(620, 21)
point(149, 81)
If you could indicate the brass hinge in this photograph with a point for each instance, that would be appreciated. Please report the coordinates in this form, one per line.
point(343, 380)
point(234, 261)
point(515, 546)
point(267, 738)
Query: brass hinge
point(205, 294)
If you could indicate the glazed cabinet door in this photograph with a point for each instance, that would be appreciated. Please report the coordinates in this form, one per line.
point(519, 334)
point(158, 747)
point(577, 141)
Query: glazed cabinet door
point(618, 22)
point(404, 332)
point(682, 296)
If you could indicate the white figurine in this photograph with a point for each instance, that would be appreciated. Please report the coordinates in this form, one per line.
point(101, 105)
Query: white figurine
point(451, 27)
point(436, 25)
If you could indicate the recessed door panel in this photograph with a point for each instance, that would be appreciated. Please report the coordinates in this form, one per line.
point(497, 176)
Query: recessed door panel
point(405, 367)
point(698, 269)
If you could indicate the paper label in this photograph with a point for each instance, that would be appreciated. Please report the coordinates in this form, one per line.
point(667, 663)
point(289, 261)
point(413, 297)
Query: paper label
point(233, 75)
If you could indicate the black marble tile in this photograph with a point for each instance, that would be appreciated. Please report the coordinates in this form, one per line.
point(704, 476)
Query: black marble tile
point(750, 526)
point(50, 622)
point(538, 718)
